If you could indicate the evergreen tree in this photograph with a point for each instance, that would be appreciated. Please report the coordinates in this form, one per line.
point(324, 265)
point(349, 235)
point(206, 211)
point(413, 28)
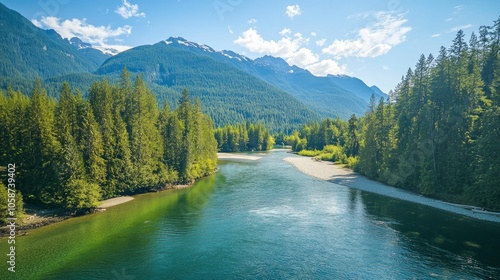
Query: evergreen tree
point(146, 149)
point(39, 174)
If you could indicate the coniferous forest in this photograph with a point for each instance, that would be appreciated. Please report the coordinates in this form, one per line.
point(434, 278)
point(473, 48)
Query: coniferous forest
point(244, 137)
point(438, 133)
point(72, 152)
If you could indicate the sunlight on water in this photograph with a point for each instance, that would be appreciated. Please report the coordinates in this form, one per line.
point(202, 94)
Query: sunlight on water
point(262, 219)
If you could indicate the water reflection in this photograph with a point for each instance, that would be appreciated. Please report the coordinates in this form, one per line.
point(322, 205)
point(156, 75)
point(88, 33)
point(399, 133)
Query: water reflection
point(107, 237)
point(426, 229)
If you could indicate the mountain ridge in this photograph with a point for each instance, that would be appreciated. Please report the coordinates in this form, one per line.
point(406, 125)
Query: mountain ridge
point(233, 87)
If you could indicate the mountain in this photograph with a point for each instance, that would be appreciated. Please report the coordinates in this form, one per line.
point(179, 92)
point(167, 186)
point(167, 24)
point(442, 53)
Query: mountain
point(332, 96)
point(378, 91)
point(356, 86)
point(27, 51)
point(232, 87)
point(228, 94)
point(95, 56)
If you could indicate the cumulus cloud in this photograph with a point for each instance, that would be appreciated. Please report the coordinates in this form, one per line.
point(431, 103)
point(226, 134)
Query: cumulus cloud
point(293, 11)
point(325, 67)
point(387, 31)
point(285, 31)
point(290, 48)
point(321, 42)
point(97, 35)
point(252, 21)
point(128, 10)
point(313, 34)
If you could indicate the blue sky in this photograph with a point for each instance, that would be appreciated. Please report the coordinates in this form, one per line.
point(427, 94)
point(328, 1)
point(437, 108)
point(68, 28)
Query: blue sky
point(376, 41)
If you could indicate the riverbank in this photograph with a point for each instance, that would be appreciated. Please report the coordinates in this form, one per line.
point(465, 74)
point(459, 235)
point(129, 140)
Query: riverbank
point(38, 217)
point(237, 156)
point(334, 173)
point(114, 201)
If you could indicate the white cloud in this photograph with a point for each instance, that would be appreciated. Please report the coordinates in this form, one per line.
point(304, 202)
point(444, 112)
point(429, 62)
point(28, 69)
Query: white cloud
point(461, 27)
point(230, 30)
point(96, 35)
point(252, 21)
point(449, 19)
point(435, 35)
point(327, 66)
point(313, 34)
point(251, 40)
point(457, 9)
point(290, 48)
point(292, 11)
point(321, 42)
point(303, 57)
point(285, 31)
point(128, 10)
point(385, 67)
point(389, 30)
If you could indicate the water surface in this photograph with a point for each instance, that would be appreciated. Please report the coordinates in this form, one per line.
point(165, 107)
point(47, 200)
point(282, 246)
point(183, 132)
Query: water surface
point(259, 220)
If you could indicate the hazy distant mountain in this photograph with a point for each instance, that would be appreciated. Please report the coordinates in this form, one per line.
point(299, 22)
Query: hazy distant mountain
point(356, 86)
point(329, 96)
point(378, 91)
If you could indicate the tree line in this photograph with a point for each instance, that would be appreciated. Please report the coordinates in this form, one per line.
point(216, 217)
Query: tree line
point(332, 140)
point(244, 137)
point(73, 152)
point(438, 132)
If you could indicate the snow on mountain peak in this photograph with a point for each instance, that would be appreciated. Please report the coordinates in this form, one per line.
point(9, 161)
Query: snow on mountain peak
point(181, 41)
point(107, 50)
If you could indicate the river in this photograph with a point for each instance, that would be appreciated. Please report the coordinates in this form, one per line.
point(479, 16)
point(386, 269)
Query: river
point(261, 219)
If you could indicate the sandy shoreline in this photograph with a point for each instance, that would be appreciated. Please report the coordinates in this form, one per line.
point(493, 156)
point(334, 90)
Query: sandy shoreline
point(114, 201)
point(328, 171)
point(237, 156)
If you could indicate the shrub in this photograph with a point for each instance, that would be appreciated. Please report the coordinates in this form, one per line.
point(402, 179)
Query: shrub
point(309, 153)
point(81, 194)
point(352, 162)
point(19, 208)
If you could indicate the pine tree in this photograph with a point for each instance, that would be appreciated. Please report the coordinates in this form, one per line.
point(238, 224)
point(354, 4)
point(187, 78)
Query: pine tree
point(91, 146)
point(145, 139)
point(70, 161)
point(39, 175)
point(184, 114)
point(352, 146)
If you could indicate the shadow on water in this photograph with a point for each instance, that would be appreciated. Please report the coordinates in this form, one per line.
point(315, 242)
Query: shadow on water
point(81, 245)
point(466, 237)
point(425, 228)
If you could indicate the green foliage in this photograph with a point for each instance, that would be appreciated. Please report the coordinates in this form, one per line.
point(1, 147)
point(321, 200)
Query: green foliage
point(352, 162)
point(244, 137)
point(328, 153)
point(439, 134)
point(73, 152)
point(229, 95)
point(80, 195)
point(309, 153)
point(4, 200)
point(27, 51)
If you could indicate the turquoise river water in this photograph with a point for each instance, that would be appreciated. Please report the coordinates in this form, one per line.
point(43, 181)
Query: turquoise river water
point(261, 220)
